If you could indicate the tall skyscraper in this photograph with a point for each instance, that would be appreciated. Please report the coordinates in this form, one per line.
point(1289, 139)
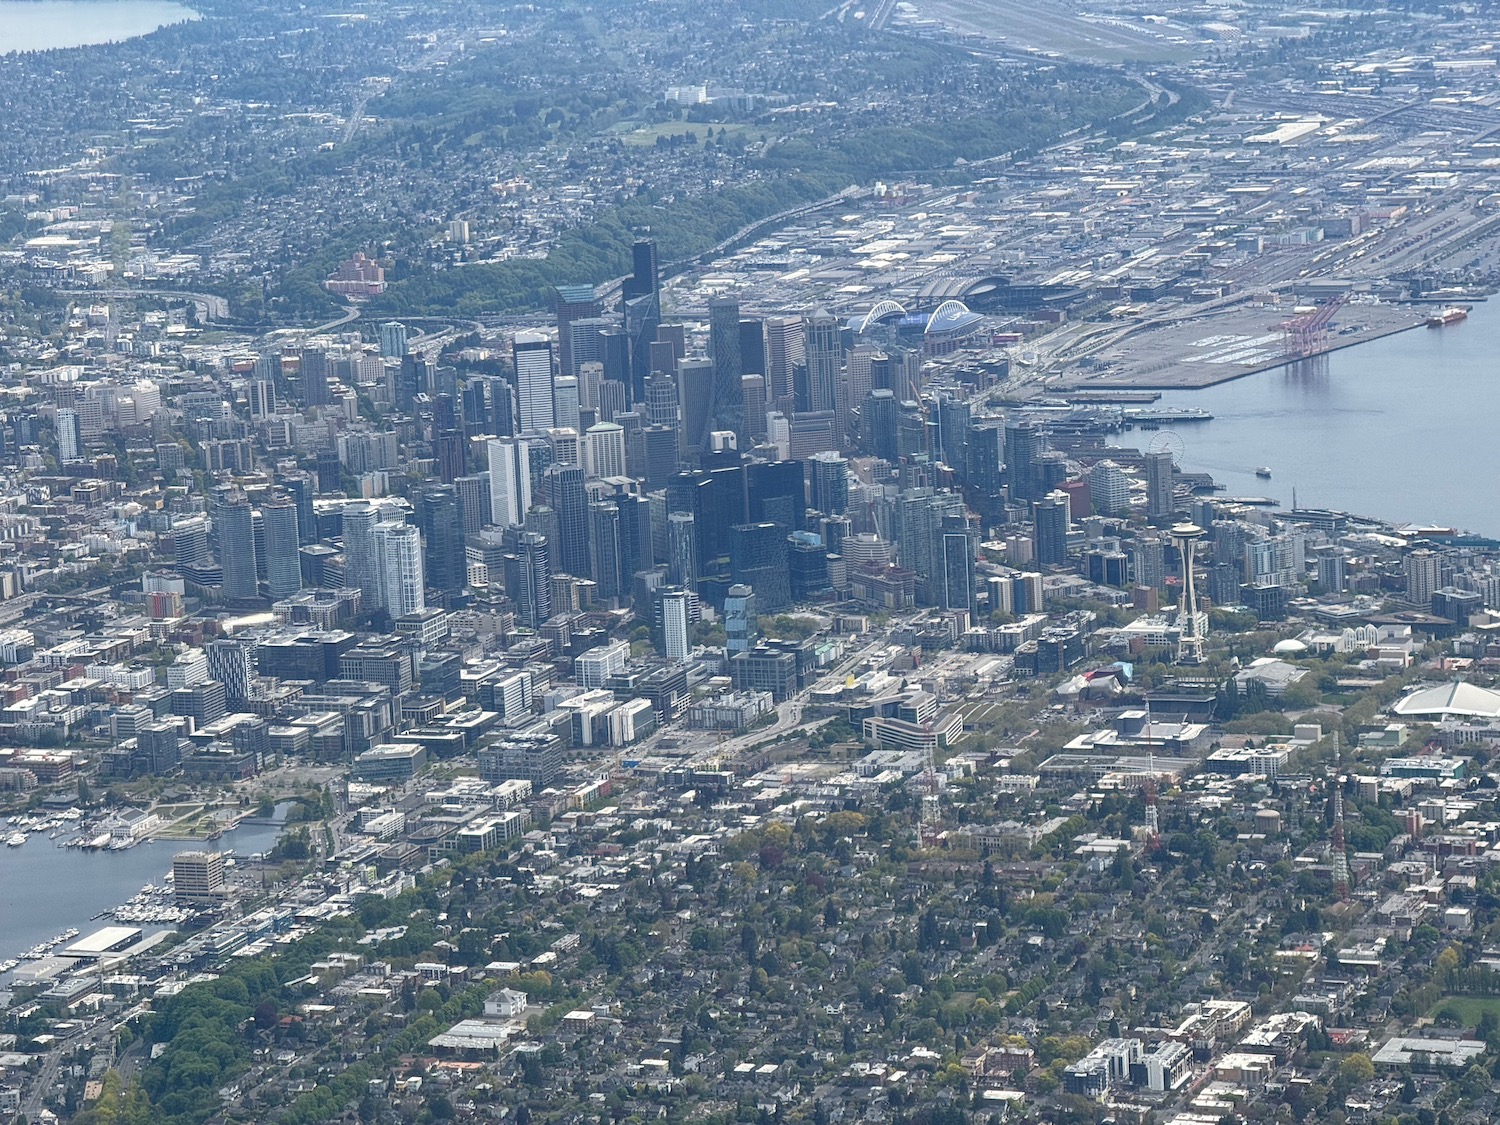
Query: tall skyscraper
point(776, 492)
point(398, 548)
point(695, 388)
point(393, 338)
point(1024, 445)
point(572, 302)
point(1109, 489)
point(753, 400)
point(604, 451)
point(283, 563)
point(565, 402)
point(69, 436)
point(740, 627)
point(606, 554)
point(437, 514)
point(642, 314)
point(313, 376)
point(528, 579)
point(784, 351)
point(1161, 482)
point(1423, 576)
point(881, 425)
point(1051, 538)
point(235, 524)
point(673, 610)
point(824, 357)
point(758, 559)
point(724, 354)
point(829, 475)
point(361, 568)
point(535, 398)
point(569, 499)
point(682, 550)
point(510, 481)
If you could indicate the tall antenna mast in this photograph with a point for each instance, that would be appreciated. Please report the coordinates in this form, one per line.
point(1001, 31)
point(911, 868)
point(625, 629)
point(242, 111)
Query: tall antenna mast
point(1340, 847)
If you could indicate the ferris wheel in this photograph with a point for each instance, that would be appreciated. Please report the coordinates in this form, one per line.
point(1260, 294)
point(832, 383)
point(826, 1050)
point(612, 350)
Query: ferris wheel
point(1168, 441)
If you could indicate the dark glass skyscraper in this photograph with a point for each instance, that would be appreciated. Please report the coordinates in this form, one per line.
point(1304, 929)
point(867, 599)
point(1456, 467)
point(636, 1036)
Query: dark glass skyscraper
point(758, 559)
point(727, 411)
point(436, 514)
point(565, 485)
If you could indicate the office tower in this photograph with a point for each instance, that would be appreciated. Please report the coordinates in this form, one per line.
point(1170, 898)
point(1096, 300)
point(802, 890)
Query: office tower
point(283, 564)
point(807, 566)
point(312, 375)
point(510, 480)
point(823, 355)
point(361, 565)
point(69, 436)
point(740, 626)
point(1190, 628)
point(753, 398)
point(828, 474)
point(1332, 569)
point(1024, 446)
point(1160, 485)
point(953, 418)
point(682, 550)
point(857, 381)
point(1108, 568)
point(911, 432)
point(473, 493)
point(753, 358)
point(590, 342)
point(1051, 519)
point(536, 403)
point(606, 556)
point(436, 511)
point(642, 311)
point(727, 410)
point(565, 446)
point(604, 451)
point(986, 463)
point(880, 425)
point(393, 337)
point(673, 612)
point(695, 388)
point(633, 427)
point(664, 357)
point(776, 492)
point(784, 351)
point(235, 524)
point(565, 402)
point(198, 877)
point(1109, 489)
point(1148, 562)
point(1423, 576)
point(661, 454)
point(260, 397)
point(957, 586)
point(661, 400)
point(569, 499)
point(758, 559)
point(570, 303)
point(402, 581)
point(528, 579)
point(611, 398)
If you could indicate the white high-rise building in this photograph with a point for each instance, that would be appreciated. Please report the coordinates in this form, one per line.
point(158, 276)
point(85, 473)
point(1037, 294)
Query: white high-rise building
point(604, 451)
point(510, 481)
point(399, 547)
point(536, 402)
point(567, 446)
point(1109, 488)
point(566, 402)
point(674, 624)
point(69, 436)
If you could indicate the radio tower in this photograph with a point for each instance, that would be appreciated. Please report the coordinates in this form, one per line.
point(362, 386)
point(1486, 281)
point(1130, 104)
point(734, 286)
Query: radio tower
point(1340, 849)
point(1153, 821)
point(931, 805)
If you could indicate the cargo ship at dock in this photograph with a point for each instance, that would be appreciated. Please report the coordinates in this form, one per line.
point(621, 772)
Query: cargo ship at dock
point(1448, 316)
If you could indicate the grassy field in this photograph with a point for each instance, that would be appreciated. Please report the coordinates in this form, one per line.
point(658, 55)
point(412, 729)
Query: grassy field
point(647, 134)
point(1469, 1008)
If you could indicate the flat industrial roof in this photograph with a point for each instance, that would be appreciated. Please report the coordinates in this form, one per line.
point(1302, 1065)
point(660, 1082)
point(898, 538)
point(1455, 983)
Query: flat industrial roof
point(106, 940)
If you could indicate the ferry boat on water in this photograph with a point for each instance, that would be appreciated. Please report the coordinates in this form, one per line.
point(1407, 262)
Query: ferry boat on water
point(1264, 472)
point(1448, 316)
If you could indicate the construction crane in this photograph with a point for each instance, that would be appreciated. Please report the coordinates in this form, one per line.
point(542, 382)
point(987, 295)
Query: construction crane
point(1307, 334)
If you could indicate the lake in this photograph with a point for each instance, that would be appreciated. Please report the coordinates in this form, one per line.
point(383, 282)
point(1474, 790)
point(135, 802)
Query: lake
point(44, 25)
point(45, 889)
point(1397, 428)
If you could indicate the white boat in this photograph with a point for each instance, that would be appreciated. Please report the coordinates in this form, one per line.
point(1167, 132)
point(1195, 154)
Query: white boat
point(15, 839)
point(1264, 472)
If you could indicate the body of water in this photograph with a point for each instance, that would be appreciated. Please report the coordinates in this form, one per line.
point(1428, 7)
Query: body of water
point(45, 25)
point(45, 889)
point(1395, 429)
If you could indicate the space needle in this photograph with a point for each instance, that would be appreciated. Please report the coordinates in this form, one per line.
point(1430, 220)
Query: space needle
point(1189, 638)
